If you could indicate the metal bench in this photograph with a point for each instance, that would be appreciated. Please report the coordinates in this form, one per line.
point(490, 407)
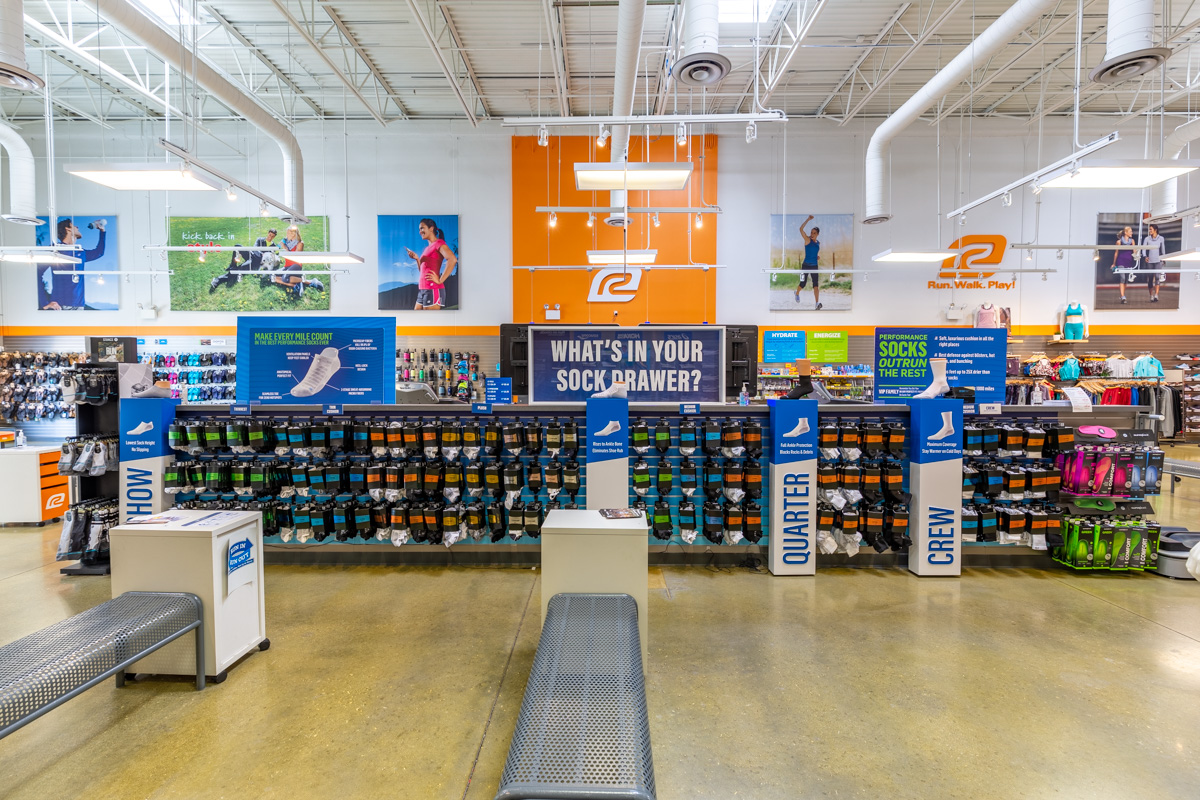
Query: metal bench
point(46, 669)
point(1179, 469)
point(583, 732)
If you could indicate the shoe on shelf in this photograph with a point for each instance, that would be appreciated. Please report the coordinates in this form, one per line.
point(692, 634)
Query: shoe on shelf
point(1184, 357)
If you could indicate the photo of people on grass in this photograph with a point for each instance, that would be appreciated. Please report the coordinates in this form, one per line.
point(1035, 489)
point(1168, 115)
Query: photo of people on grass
point(69, 287)
point(418, 262)
point(214, 280)
point(814, 246)
point(1128, 279)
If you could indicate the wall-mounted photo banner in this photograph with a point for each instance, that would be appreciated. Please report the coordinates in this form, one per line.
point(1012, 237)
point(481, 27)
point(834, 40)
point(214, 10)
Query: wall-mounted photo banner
point(975, 358)
point(1128, 279)
point(210, 281)
point(418, 262)
point(326, 360)
point(658, 364)
point(78, 291)
point(815, 246)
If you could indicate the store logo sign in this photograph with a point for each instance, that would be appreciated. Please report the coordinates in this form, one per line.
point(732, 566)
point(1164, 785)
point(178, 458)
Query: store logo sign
point(615, 285)
point(56, 501)
point(969, 269)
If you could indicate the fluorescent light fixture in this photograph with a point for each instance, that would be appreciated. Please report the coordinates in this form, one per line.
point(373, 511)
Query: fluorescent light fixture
point(621, 256)
point(42, 257)
point(143, 177)
point(913, 256)
point(1119, 174)
point(636, 177)
point(314, 257)
point(1185, 255)
point(744, 10)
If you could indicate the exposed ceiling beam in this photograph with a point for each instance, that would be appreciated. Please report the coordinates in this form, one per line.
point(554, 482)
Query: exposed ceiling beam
point(925, 36)
point(358, 48)
point(266, 62)
point(431, 40)
point(983, 84)
point(771, 40)
point(779, 69)
point(557, 56)
point(850, 73)
point(462, 54)
point(329, 62)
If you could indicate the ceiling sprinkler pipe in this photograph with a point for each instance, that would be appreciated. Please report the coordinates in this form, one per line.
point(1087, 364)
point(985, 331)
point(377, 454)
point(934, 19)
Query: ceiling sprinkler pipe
point(21, 194)
point(1164, 196)
point(167, 48)
point(999, 34)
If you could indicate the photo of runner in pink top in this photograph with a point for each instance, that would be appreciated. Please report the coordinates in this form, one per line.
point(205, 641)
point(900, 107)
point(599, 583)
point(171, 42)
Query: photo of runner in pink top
point(435, 264)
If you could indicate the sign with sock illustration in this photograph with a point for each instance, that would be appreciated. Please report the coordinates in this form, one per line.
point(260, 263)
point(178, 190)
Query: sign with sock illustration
point(292, 360)
point(793, 487)
point(607, 452)
point(145, 454)
point(935, 476)
point(648, 365)
point(929, 362)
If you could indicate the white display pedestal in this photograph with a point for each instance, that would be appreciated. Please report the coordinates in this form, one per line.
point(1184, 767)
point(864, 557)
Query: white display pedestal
point(189, 551)
point(33, 490)
point(935, 480)
point(584, 552)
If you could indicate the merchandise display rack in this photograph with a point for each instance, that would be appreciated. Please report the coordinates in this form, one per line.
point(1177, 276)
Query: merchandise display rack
point(93, 419)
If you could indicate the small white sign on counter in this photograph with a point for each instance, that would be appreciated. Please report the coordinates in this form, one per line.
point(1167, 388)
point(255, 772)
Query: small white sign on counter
point(1080, 402)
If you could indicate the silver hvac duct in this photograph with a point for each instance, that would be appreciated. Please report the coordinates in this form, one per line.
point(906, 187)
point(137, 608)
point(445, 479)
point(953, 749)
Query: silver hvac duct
point(630, 16)
point(13, 72)
point(166, 47)
point(701, 64)
point(1130, 51)
point(1165, 195)
point(1001, 32)
point(22, 199)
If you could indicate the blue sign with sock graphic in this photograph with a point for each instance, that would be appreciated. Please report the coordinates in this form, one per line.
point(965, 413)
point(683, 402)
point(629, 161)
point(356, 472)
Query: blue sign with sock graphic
point(315, 360)
point(936, 424)
point(607, 429)
point(793, 431)
point(973, 358)
point(656, 364)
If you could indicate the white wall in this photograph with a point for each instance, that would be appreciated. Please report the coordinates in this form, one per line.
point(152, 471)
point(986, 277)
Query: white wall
point(825, 175)
point(447, 168)
point(416, 169)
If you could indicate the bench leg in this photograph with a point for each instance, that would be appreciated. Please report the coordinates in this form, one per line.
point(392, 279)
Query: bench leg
point(120, 679)
point(200, 656)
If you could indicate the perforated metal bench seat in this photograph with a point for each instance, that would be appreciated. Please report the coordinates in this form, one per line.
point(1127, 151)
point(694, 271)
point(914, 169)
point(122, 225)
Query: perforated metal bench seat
point(1177, 468)
point(48, 668)
point(583, 731)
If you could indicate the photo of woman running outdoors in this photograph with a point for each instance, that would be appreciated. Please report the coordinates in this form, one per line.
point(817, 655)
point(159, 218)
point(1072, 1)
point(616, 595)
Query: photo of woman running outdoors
point(418, 263)
point(813, 245)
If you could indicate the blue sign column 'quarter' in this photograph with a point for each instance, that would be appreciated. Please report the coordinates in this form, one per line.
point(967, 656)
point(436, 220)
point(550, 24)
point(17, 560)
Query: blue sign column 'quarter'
point(781, 346)
point(935, 479)
point(607, 466)
point(975, 358)
point(792, 538)
point(657, 364)
point(307, 360)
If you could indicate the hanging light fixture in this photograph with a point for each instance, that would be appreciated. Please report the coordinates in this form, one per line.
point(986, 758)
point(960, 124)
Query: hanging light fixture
point(142, 177)
point(262, 209)
point(591, 219)
point(913, 256)
point(621, 256)
point(602, 139)
point(640, 176)
point(230, 193)
point(553, 219)
point(656, 222)
point(681, 134)
point(699, 220)
point(1118, 173)
point(543, 137)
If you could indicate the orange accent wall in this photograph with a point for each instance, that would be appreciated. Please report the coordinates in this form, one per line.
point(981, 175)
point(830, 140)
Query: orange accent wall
point(545, 176)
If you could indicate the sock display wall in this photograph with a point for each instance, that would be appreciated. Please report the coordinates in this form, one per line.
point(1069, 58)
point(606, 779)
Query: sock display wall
point(401, 475)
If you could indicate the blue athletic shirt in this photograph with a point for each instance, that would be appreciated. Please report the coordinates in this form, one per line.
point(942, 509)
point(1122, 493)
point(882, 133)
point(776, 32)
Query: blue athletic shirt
point(811, 251)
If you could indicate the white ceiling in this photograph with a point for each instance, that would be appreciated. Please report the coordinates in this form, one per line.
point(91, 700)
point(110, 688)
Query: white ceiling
point(860, 60)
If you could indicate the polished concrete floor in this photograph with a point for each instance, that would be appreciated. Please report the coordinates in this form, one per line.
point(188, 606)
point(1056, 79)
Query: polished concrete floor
point(386, 682)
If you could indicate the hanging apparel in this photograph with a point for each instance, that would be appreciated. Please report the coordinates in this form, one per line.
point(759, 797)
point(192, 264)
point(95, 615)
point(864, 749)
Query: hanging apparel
point(1147, 367)
point(1119, 367)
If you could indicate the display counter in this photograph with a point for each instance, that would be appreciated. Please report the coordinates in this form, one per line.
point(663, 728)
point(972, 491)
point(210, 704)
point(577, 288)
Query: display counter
point(34, 492)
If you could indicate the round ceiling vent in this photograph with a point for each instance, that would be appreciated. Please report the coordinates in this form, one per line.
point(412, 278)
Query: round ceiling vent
point(13, 77)
point(1130, 65)
point(701, 69)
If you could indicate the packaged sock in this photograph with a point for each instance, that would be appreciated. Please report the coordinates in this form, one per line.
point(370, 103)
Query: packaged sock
point(732, 445)
point(661, 520)
point(827, 440)
point(688, 481)
point(533, 478)
point(687, 521)
point(733, 522)
point(570, 433)
point(514, 438)
point(533, 437)
point(639, 437)
point(752, 438)
point(451, 439)
point(688, 437)
point(493, 438)
point(711, 441)
point(752, 478)
point(553, 436)
point(664, 478)
point(752, 523)
point(554, 478)
point(714, 522)
point(712, 476)
point(732, 481)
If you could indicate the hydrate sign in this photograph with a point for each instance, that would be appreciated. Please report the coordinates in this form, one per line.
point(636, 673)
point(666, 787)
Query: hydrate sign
point(658, 365)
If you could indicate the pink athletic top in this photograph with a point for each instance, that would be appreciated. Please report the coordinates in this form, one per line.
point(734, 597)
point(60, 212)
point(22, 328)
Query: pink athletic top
point(431, 264)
